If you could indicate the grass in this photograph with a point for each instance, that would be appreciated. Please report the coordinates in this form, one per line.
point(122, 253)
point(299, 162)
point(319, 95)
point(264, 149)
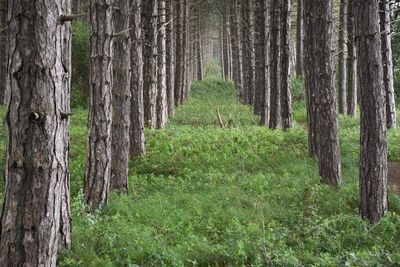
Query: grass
point(239, 196)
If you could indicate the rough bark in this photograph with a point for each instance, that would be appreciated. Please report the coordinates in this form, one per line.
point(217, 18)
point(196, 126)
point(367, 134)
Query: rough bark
point(162, 109)
point(252, 69)
point(387, 57)
point(259, 56)
point(235, 36)
point(342, 58)
point(150, 32)
point(329, 155)
point(300, 39)
point(169, 49)
point(3, 50)
point(275, 69)
point(199, 50)
point(286, 92)
point(137, 143)
point(351, 62)
point(121, 98)
point(184, 60)
point(310, 78)
point(178, 54)
point(35, 221)
point(264, 40)
point(222, 48)
point(225, 42)
point(373, 154)
point(98, 166)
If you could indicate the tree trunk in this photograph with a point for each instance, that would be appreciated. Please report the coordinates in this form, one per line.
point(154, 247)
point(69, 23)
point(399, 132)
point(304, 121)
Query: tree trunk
point(252, 69)
point(3, 50)
point(222, 49)
point(169, 57)
point(264, 57)
point(162, 109)
point(35, 221)
point(300, 39)
point(150, 32)
point(225, 46)
point(329, 155)
point(275, 69)
point(259, 56)
point(185, 46)
point(342, 57)
point(122, 98)
point(373, 155)
point(178, 54)
point(98, 166)
point(351, 62)
point(199, 51)
point(387, 57)
point(286, 92)
point(310, 78)
point(236, 45)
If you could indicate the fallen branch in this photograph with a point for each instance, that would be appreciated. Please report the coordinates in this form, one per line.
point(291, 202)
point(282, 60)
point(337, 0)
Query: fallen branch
point(221, 122)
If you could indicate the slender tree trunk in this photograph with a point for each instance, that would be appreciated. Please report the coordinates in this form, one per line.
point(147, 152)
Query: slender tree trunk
point(3, 50)
point(150, 32)
point(300, 39)
point(310, 78)
point(35, 221)
point(185, 46)
point(252, 70)
point(199, 51)
point(275, 69)
point(162, 109)
point(222, 49)
point(98, 166)
point(137, 143)
point(264, 57)
point(169, 57)
point(225, 46)
point(373, 155)
point(178, 54)
point(387, 57)
point(342, 57)
point(329, 155)
point(351, 62)
point(122, 98)
point(235, 34)
point(286, 92)
point(259, 56)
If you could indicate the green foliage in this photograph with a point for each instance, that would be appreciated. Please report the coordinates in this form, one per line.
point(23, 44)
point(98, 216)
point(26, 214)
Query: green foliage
point(239, 196)
point(80, 63)
point(213, 69)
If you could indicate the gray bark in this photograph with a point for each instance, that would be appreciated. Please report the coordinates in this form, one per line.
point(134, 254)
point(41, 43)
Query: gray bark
point(35, 221)
point(121, 98)
point(300, 39)
point(342, 58)
point(98, 166)
point(137, 143)
point(3, 49)
point(387, 57)
point(170, 58)
point(286, 92)
point(236, 46)
point(150, 32)
point(351, 62)
point(264, 40)
point(373, 154)
point(178, 54)
point(162, 109)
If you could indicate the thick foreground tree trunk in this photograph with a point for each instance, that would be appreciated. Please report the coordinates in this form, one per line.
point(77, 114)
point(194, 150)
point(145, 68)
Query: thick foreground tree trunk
point(387, 57)
point(3, 49)
point(98, 166)
point(137, 145)
point(329, 155)
point(121, 98)
point(373, 154)
point(35, 221)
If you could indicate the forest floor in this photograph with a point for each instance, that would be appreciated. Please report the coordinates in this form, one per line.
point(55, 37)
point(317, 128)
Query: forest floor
point(241, 195)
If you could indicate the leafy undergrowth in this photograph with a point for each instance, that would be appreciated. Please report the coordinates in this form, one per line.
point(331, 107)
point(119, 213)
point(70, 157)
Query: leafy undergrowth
point(238, 196)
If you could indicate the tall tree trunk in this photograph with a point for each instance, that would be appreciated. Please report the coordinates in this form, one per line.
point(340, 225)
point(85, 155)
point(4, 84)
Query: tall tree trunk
point(300, 39)
point(264, 57)
point(311, 78)
point(162, 109)
point(98, 166)
point(252, 69)
point(3, 49)
point(137, 143)
point(259, 56)
point(275, 69)
point(199, 51)
point(286, 92)
point(351, 62)
point(222, 48)
point(329, 155)
point(122, 98)
point(342, 57)
point(225, 46)
point(235, 37)
point(373, 155)
point(169, 48)
point(387, 57)
point(35, 218)
point(150, 32)
point(178, 53)
point(185, 19)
